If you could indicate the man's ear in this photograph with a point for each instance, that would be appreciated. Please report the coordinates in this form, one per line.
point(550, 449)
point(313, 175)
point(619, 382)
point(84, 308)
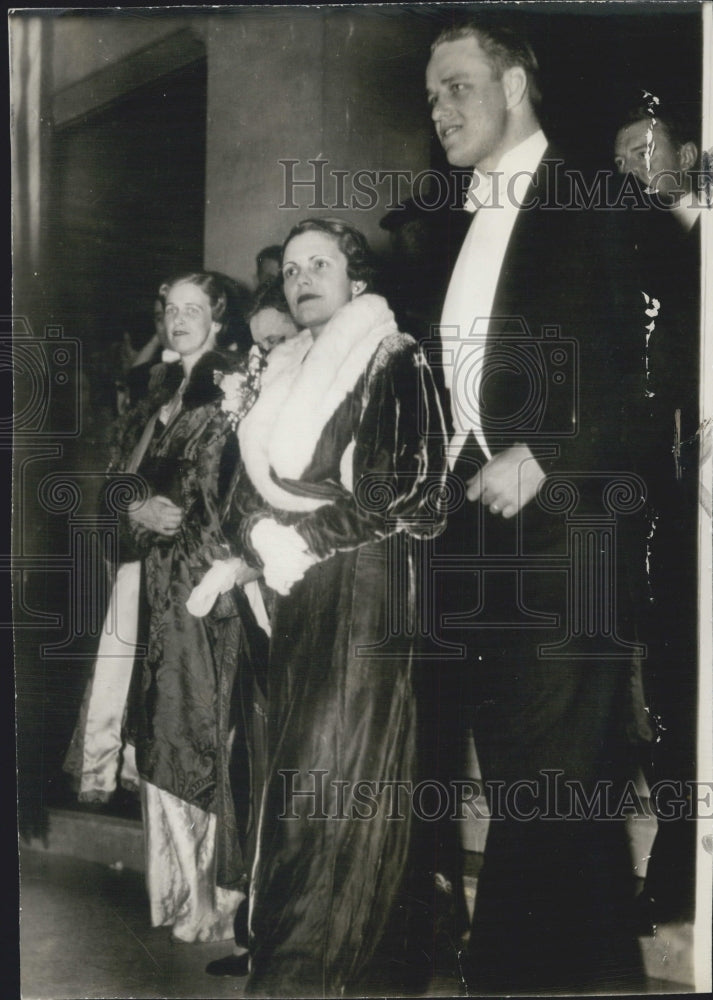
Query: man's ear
point(514, 85)
point(688, 155)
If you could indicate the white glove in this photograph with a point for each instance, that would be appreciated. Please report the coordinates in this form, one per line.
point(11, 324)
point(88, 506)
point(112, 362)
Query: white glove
point(220, 578)
point(284, 554)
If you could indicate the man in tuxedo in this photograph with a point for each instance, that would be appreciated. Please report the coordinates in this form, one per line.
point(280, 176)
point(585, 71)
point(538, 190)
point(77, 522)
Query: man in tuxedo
point(654, 143)
point(542, 348)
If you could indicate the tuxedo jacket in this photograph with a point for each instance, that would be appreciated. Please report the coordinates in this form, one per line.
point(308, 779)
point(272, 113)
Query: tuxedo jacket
point(564, 373)
point(564, 357)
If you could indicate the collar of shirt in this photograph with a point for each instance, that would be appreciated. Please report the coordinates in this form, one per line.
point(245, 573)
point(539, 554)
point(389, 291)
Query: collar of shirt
point(510, 179)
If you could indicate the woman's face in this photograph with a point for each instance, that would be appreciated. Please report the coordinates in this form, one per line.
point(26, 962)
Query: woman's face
point(270, 327)
point(190, 328)
point(314, 270)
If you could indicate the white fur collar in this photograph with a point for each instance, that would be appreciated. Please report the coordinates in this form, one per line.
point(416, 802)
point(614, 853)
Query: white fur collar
point(303, 385)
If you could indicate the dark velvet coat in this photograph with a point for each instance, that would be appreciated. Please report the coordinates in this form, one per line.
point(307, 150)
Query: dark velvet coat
point(327, 883)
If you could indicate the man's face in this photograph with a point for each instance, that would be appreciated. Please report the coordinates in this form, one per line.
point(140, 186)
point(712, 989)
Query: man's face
point(645, 150)
point(468, 106)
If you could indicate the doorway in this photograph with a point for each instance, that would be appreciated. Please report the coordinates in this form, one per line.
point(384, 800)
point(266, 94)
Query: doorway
point(127, 185)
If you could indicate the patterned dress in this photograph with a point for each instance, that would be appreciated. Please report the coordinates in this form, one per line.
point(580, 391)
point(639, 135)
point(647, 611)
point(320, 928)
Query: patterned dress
point(182, 712)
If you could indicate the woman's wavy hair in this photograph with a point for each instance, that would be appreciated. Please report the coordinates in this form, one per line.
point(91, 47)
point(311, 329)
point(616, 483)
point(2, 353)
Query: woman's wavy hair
point(209, 282)
point(353, 244)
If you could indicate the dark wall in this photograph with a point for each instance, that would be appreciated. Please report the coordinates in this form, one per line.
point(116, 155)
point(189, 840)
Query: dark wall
point(594, 64)
point(128, 202)
point(343, 85)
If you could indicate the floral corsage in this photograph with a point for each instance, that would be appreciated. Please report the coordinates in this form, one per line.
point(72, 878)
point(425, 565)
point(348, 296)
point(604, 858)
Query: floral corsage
point(241, 388)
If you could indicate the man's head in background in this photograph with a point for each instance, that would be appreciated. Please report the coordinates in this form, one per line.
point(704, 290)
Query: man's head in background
point(409, 232)
point(655, 145)
point(268, 263)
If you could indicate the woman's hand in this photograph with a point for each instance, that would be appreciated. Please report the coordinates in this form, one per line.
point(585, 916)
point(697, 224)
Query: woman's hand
point(223, 575)
point(157, 514)
point(284, 554)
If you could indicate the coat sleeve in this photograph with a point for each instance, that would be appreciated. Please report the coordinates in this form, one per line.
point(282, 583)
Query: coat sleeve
point(398, 462)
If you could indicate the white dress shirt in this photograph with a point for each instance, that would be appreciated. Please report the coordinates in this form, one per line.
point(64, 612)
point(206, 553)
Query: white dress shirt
point(496, 198)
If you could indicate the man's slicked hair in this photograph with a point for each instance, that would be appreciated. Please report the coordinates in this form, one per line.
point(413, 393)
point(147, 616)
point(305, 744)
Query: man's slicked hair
point(503, 46)
point(678, 126)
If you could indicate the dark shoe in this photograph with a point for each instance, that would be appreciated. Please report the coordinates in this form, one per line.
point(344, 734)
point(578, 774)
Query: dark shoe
point(231, 965)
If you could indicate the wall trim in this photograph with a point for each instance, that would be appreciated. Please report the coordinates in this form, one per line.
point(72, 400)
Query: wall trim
point(99, 89)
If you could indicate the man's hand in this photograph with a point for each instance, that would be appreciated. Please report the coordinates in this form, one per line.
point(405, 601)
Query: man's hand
point(158, 514)
point(507, 482)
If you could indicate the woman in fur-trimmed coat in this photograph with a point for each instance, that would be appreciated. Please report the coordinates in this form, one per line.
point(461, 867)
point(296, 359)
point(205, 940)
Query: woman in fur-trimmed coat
point(343, 454)
point(181, 710)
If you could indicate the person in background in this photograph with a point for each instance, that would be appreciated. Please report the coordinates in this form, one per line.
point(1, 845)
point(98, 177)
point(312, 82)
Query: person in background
point(267, 263)
point(269, 316)
point(654, 145)
point(415, 278)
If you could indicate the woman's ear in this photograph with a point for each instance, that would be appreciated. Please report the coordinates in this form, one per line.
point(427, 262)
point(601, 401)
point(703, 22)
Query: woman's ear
point(357, 288)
